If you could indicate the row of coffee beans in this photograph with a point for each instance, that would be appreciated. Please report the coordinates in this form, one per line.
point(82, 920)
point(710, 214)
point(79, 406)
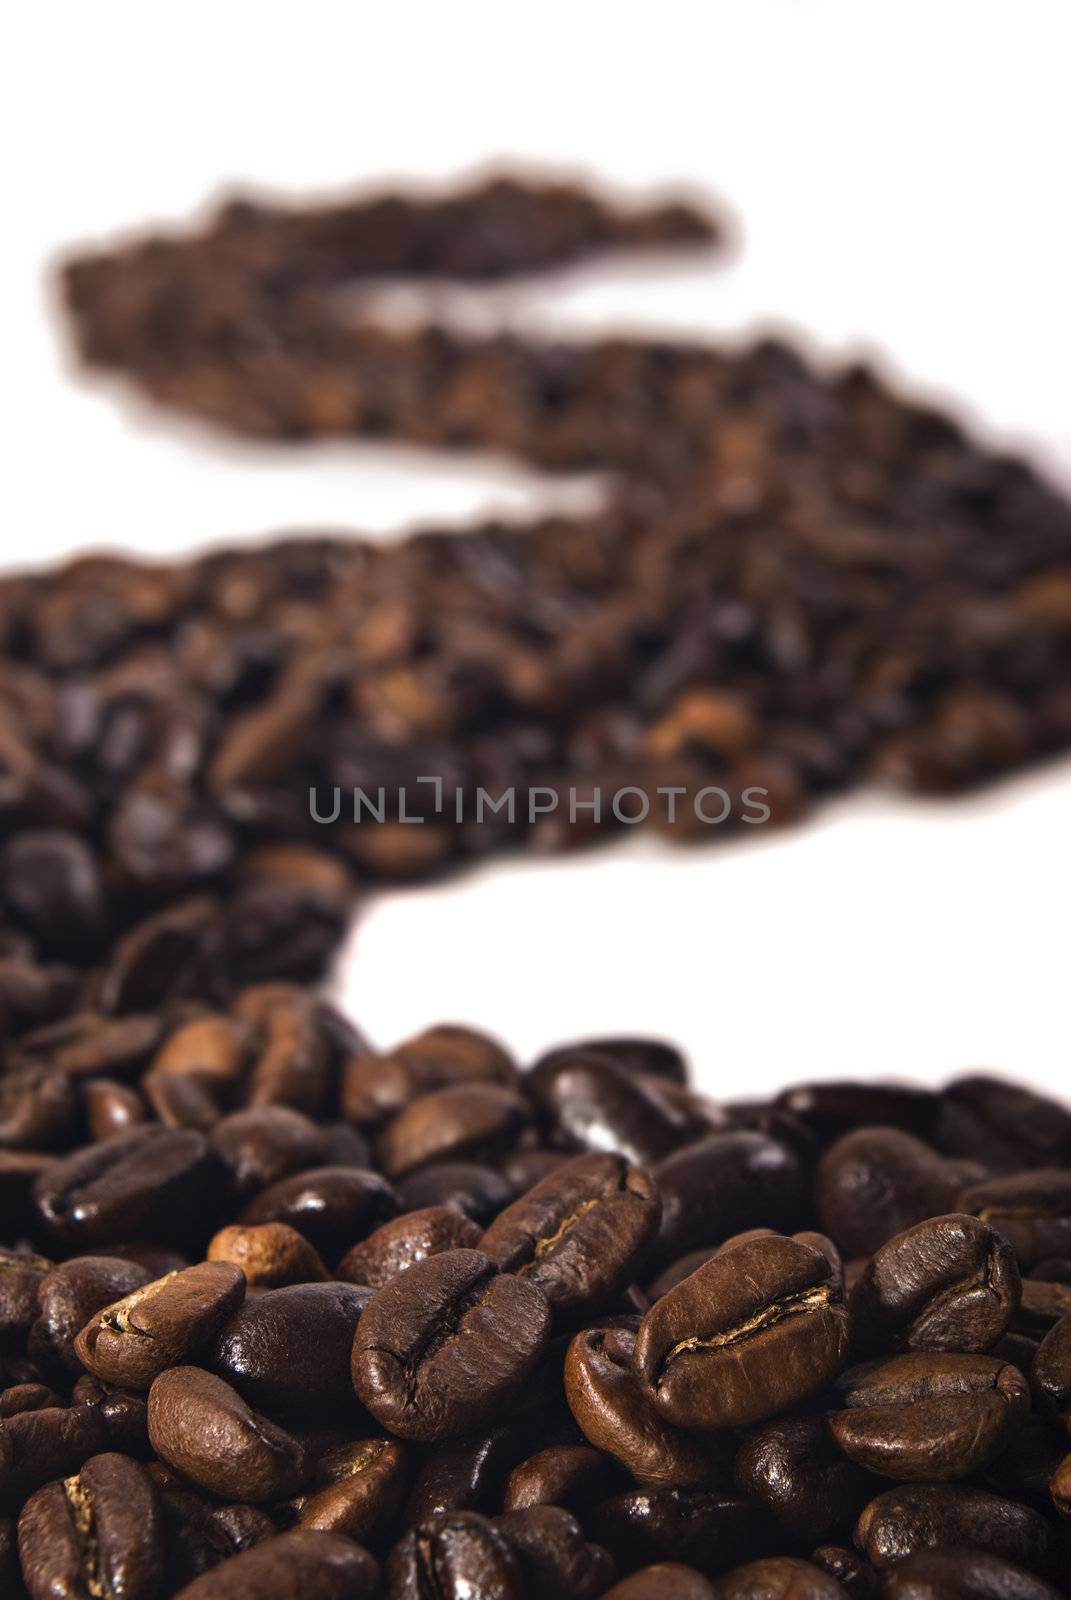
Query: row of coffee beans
point(281, 1315)
point(799, 581)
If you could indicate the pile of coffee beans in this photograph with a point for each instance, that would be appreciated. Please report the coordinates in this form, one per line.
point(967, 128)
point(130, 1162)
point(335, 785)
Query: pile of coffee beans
point(282, 1315)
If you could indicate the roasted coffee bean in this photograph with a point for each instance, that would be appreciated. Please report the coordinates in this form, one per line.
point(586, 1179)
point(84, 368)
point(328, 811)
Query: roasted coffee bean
point(214, 1046)
point(717, 1186)
point(261, 1144)
point(38, 1107)
point(875, 1182)
point(850, 1570)
point(442, 1347)
point(21, 1276)
point(463, 1475)
point(478, 1192)
point(616, 1414)
point(69, 1295)
point(290, 1347)
point(1041, 1306)
point(357, 1489)
point(1051, 1371)
point(165, 1178)
point(161, 1325)
point(404, 1241)
point(928, 1416)
point(701, 1527)
point(792, 1467)
point(580, 1233)
point(123, 1412)
point(590, 1102)
point(99, 1532)
point(569, 1475)
point(204, 1429)
point(833, 1109)
point(927, 1516)
point(26, 1397)
point(950, 1283)
point(50, 1443)
point(964, 1574)
point(305, 1562)
point(454, 1556)
point(1031, 1209)
point(778, 1578)
point(556, 1561)
point(655, 1058)
point(757, 1329)
point(111, 1108)
point(666, 1580)
point(331, 1207)
point(52, 884)
point(270, 1254)
point(1004, 1125)
point(467, 1121)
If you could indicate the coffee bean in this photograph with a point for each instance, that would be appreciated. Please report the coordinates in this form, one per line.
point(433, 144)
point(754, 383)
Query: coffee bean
point(442, 1347)
point(655, 1058)
point(50, 1443)
point(305, 1562)
point(833, 1109)
point(38, 1106)
point(463, 1475)
point(160, 1325)
point(755, 1329)
point(99, 1532)
point(290, 1347)
point(850, 1570)
point(590, 1102)
point(967, 1574)
point(405, 1240)
point(776, 1578)
point(261, 1144)
point(111, 1108)
point(467, 1121)
point(555, 1559)
point(1031, 1209)
point(875, 1182)
point(666, 1580)
point(270, 1254)
point(1051, 1370)
point(479, 1192)
point(703, 1528)
point(580, 1233)
point(717, 1186)
point(21, 1276)
point(566, 1475)
point(357, 1489)
point(165, 1178)
point(330, 1206)
point(69, 1295)
point(928, 1416)
point(204, 1429)
point(792, 1467)
point(950, 1283)
point(617, 1416)
point(454, 1556)
point(927, 1516)
point(123, 1411)
point(1004, 1125)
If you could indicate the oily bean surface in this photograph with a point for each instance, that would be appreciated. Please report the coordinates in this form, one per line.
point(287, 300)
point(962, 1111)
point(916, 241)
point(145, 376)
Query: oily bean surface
point(203, 1428)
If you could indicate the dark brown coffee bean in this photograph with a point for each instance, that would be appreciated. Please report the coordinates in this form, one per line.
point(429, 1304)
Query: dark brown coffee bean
point(1004, 1125)
point(332, 1207)
point(26, 1397)
point(939, 1516)
point(305, 1562)
point(52, 883)
point(1041, 1306)
point(165, 1178)
point(21, 1276)
point(853, 1574)
point(38, 1107)
point(702, 1528)
point(204, 1429)
point(442, 1347)
point(357, 1489)
point(51, 1443)
point(123, 1412)
point(556, 1561)
point(471, 1121)
point(262, 1144)
point(777, 1578)
point(928, 1416)
point(758, 1328)
point(666, 1580)
point(290, 1347)
point(452, 1053)
point(214, 1046)
point(792, 1467)
point(833, 1109)
point(950, 1283)
point(163, 1324)
point(1031, 1209)
point(655, 1058)
point(876, 1182)
point(717, 1186)
point(404, 1241)
point(617, 1416)
point(463, 1475)
point(69, 1295)
point(590, 1102)
point(1051, 1370)
point(1060, 1487)
point(270, 1254)
point(964, 1574)
point(580, 1233)
point(99, 1532)
point(476, 1191)
point(454, 1556)
point(569, 1475)
point(111, 1108)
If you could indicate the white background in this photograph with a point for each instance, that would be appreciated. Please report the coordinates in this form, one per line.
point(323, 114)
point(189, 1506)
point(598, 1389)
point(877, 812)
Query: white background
point(899, 174)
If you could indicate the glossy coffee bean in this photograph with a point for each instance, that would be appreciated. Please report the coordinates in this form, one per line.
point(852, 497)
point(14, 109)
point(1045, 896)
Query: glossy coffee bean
point(163, 1324)
point(405, 1240)
point(717, 1186)
point(616, 1415)
point(203, 1428)
point(793, 1468)
point(443, 1347)
point(165, 1178)
point(703, 1528)
point(940, 1516)
point(876, 1182)
point(290, 1347)
point(949, 1283)
point(928, 1416)
point(21, 1276)
point(270, 1254)
point(777, 1578)
point(261, 1144)
point(465, 1122)
point(1004, 1125)
point(454, 1556)
point(332, 1207)
point(655, 1058)
point(554, 1557)
point(835, 1108)
point(756, 1329)
point(48, 1443)
point(124, 1413)
point(581, 1233)
point(356, 1490)
point(1050, 1373)
point(590, 1102)
point(1031, 1209)
point(666, 1580)
point(38, 1107)
point(852, 1572)
point(69, 1295)
point(98, 1532)
point(453, 1053)
point(477, 1191)
point(569, 1475)
point(964, 1574)
point(305, 1562)
point(462, 1475)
